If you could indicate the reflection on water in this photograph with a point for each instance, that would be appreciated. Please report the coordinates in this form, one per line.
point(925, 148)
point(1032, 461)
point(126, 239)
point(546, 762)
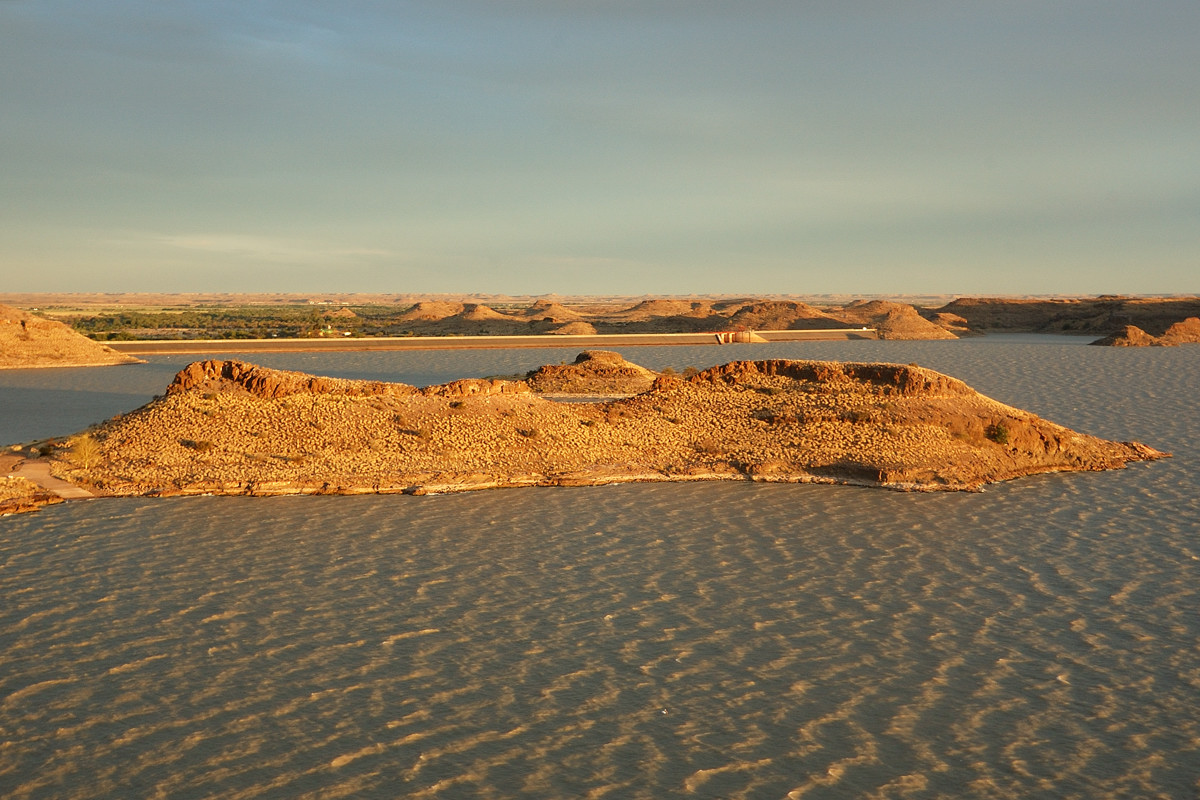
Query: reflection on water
point(707, 640)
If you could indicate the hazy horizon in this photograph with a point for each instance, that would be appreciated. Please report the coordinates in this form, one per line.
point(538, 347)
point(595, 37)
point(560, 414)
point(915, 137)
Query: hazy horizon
point(656, 148)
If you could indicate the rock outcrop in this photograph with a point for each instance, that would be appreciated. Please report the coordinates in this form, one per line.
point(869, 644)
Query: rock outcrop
point(234, 428)
point(1184, 332)
point(31, 341)
point(1130, 336)
point(269, 384)
point(19, 496)
point(594, 372)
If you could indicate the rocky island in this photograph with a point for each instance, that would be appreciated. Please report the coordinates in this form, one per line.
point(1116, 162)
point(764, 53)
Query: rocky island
point(229, 427)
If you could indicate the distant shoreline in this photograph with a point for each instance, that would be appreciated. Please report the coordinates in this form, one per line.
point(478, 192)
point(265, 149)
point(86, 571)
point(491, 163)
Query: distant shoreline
point(348, 344)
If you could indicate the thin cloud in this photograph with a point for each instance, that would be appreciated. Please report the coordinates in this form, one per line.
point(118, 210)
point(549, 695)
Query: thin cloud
point(266, 248)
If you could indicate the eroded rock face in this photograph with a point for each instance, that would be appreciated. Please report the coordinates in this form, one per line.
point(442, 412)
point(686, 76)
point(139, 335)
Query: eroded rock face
point(223, 376)
point(475, 387)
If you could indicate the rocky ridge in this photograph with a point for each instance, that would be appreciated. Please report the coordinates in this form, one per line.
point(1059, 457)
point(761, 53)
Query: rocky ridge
point(235, 428)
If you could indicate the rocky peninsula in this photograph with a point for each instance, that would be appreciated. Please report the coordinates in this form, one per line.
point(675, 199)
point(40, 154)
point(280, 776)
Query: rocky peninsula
point(229, 427)
point(28, 341)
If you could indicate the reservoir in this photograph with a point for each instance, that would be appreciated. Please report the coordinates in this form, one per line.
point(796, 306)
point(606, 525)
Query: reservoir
point(1038, 639)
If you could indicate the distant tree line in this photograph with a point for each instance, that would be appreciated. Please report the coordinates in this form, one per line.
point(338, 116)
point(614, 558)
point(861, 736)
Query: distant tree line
point(248, 322)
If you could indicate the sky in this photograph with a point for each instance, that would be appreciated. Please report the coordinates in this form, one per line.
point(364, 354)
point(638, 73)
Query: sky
point(600, 147)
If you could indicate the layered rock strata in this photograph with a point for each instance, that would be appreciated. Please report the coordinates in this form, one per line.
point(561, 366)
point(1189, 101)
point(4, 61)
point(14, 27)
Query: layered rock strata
point(234, 428)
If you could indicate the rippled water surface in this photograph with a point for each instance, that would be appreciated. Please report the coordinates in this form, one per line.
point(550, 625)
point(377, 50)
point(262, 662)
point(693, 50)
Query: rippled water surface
point(1040, 639)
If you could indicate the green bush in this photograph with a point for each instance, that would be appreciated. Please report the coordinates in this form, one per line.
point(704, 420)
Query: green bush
point(998, 432)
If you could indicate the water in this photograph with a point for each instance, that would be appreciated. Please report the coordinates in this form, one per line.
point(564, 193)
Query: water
point(1041, 639)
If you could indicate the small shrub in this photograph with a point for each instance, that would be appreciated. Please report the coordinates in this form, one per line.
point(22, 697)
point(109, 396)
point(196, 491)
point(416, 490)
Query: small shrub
point(202, 446)
point(528, 433)
point(998, 432)
point(85, 451)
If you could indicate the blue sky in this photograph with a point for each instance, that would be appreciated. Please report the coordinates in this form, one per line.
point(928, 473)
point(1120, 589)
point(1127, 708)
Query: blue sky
point(607, 147)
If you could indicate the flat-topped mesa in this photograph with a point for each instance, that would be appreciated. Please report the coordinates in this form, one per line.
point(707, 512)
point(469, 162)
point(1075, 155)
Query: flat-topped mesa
point(227, 427)
point(882, 379)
